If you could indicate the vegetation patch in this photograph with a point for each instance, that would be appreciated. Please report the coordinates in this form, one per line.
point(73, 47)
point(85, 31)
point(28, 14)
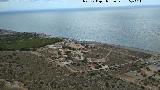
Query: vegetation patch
point(24, 41)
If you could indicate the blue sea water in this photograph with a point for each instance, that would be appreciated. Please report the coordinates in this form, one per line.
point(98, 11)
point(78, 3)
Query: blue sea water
point(135, 27)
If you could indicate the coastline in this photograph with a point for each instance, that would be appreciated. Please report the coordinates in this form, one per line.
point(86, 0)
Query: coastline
point(43, 35)
point(114, 45)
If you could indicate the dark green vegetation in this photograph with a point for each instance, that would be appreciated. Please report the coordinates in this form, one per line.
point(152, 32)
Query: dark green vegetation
point(24, 41)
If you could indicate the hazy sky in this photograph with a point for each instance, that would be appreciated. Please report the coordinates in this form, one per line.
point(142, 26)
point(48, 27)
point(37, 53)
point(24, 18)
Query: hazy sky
point(11, 5)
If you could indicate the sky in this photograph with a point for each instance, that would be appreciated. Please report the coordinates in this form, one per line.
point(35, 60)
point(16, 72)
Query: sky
point(16, 5)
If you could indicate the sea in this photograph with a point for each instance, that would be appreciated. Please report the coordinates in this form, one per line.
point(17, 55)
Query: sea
point(130, 27)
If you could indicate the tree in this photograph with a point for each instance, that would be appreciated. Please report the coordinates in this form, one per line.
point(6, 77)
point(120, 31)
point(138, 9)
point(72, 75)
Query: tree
point(148, 69)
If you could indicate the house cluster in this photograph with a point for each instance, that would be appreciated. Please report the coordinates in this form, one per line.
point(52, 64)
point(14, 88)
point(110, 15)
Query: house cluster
point(71, 54)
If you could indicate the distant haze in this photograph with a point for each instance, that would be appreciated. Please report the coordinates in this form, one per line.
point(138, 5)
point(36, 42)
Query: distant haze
point(12, 5)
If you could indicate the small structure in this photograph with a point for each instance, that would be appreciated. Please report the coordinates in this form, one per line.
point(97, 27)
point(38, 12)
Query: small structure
point(66, 62)
point(76, 46)
point(99, 60)
point(78, 55)
point(54, 46)
point(105, 67)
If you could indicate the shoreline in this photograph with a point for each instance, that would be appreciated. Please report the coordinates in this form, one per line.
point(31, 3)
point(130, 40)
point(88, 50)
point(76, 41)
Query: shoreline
point(44, 35)
point(113, 45)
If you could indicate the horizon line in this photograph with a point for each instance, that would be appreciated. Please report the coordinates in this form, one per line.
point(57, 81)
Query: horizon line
point(82, 9)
